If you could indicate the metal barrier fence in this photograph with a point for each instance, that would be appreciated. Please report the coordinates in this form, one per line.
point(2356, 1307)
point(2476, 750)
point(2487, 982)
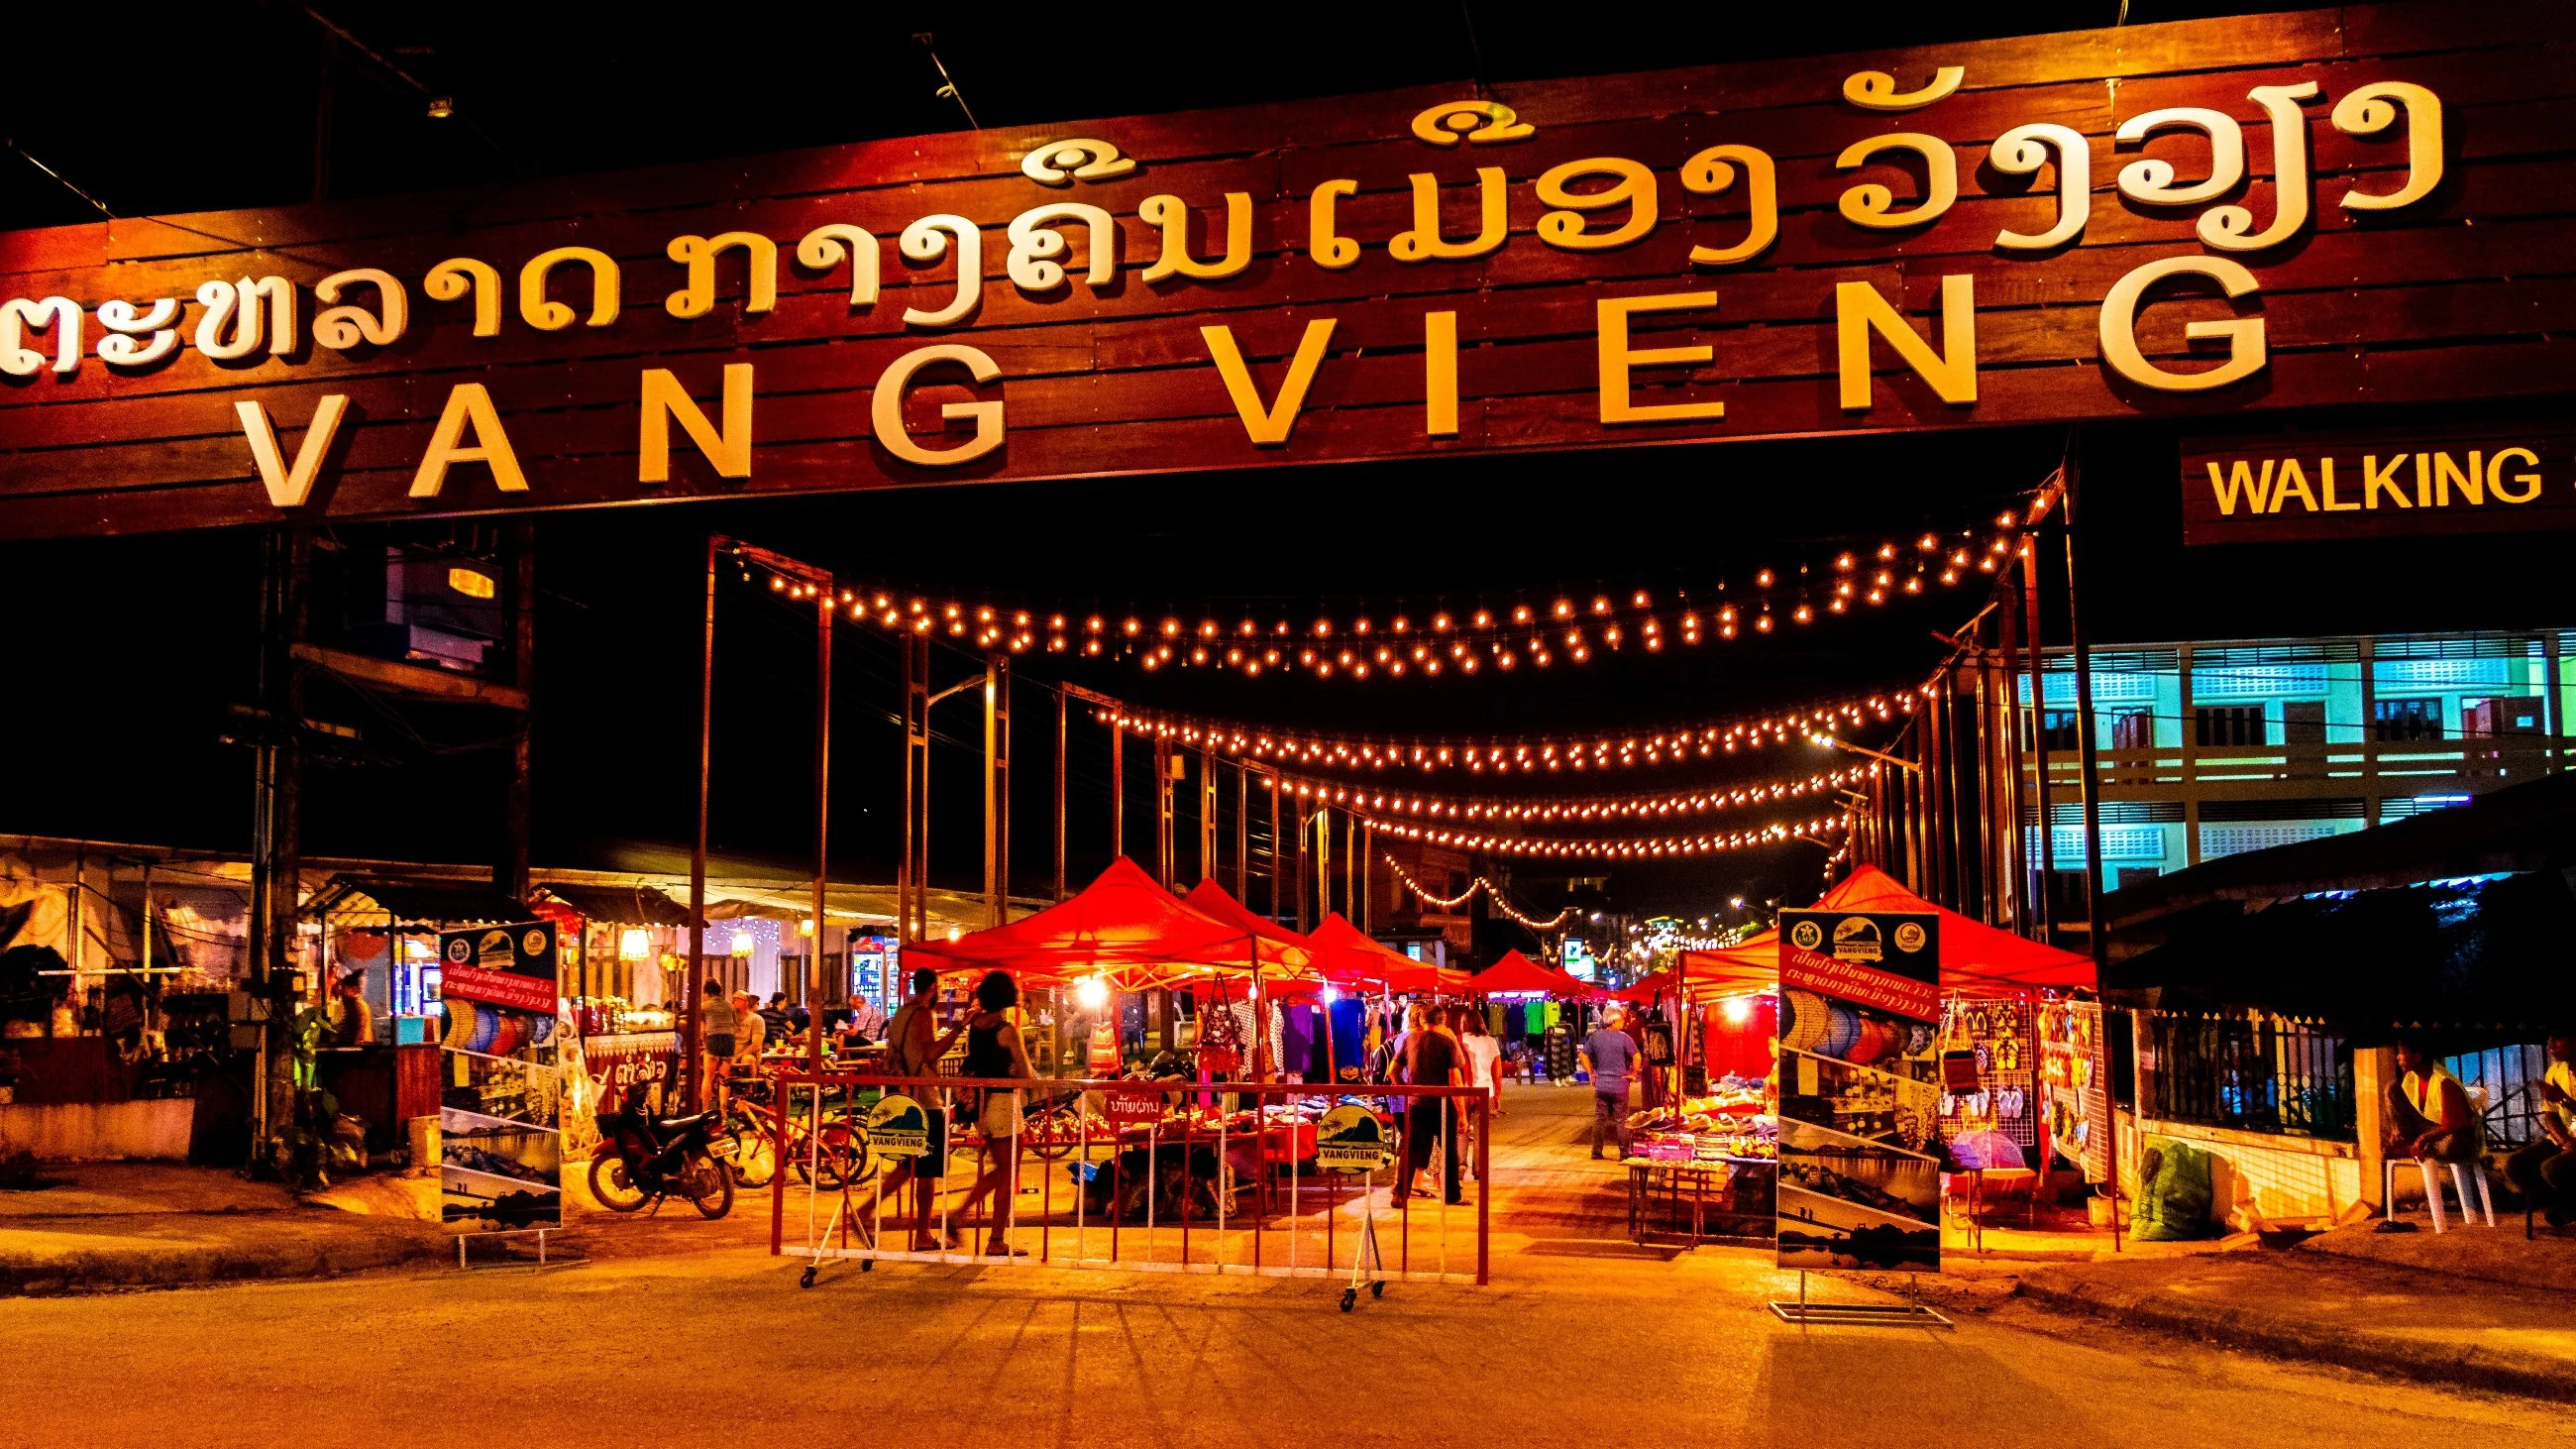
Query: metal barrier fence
point(2257, 1073)
point(2511, 1075)
point(1137, 1175)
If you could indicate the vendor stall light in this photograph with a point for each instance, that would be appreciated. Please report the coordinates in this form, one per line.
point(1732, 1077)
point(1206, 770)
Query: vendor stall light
point(1737, 1010)
point(472, 583)
point(633, 944)
point(1091, 993)
point(742, 943)
point(805, 927)
point(956, 933)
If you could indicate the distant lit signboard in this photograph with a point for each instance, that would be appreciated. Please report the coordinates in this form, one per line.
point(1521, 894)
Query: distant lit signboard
point(1578, 960)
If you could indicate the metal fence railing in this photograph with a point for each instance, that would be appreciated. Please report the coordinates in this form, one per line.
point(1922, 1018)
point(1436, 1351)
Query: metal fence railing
point(1126, 1174)
point(2254, 1072)
point(2511, 1076)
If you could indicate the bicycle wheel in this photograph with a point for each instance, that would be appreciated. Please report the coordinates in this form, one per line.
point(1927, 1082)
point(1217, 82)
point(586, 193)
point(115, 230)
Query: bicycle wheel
point(755, 1152)
point(843, 1157)
point(1050, 1133)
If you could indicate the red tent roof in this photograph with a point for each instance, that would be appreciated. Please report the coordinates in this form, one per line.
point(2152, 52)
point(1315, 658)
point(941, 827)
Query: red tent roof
point(1973, 954)
point(1516, 972)
point(1123, 925)
point(1210, 899)
point(1350, 956)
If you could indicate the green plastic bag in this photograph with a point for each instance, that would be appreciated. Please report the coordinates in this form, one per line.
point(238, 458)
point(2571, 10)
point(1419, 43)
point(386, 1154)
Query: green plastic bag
point(2173, 1193)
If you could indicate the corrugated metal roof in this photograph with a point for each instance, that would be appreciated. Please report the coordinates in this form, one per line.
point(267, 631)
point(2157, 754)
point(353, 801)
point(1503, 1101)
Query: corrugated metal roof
point(635, 905)
point(424, 902)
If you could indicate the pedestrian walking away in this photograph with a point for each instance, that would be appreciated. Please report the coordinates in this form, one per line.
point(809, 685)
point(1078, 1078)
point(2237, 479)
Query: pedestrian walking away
point(1609, 1057)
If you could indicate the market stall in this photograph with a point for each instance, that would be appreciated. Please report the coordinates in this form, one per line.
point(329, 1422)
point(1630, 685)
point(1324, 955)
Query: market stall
point(2018, 1041)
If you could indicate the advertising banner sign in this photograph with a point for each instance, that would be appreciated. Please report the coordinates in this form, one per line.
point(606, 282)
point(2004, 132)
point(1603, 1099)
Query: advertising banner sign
point(2397, 482)
point(2020, 230)
point(1860, 1164)
point(898, 1126)
point(500, 1099)
point(1351, 1138)
point(2074, 1105)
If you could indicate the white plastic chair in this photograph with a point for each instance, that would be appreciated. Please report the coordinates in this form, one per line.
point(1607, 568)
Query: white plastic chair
point(2461, 1172)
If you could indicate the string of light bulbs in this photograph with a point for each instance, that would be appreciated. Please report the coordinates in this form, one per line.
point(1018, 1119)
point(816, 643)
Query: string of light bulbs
point(1504, 757)
point(1577, 808)
point(1450, 903)
point(1558, 848)
point(1397, 642)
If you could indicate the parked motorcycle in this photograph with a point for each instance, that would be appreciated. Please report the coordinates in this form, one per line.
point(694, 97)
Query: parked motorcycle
point(643, 1159)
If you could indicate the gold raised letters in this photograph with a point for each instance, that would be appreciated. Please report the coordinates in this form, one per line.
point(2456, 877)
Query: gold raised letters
point(63, 315)
point(238, 306)
point(1173, 215)
point(1330, 250)
point(698, 254)
point(2373, 109)
point(455, 277)
point(341, 328)
point(2021, 151)
point(927, 240)
point(1713, 171)
point(1875, 90)
point(119, 348)
point(1867, 204)
point(1269, 426)
point(1424, 243)
point(2231, 228)
point(1482, 122)
point(2245, 351)
point(1035, 245)
point(834, 242)
point(551, 316)
point(1859, 310)
point(2150, 181)
point(1059, 163)
point(1440, 374)
point(468, 405)
point(1630, 183)
point(665, 399)
point(885, 407)
point(1616, 357)
point(287, 486)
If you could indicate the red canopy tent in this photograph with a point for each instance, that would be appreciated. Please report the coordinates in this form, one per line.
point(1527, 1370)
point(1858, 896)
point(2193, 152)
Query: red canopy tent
point(1347, 954)
point(1125, 927)
point(1518, 973)
point(1973, 954)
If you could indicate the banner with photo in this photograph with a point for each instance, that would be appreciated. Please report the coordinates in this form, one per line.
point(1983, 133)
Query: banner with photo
point(2074, 1105)
point(500, 1116)
point(1860, 1148)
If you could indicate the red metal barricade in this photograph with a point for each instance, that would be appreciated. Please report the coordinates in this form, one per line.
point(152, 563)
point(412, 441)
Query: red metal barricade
point(1191, 1177)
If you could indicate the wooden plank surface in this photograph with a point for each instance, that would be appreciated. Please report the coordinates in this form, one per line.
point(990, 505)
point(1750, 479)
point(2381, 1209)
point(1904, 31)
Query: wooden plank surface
point(2467, 295)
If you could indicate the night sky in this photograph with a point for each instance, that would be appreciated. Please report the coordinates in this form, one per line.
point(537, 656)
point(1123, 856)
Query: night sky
point(128, 651)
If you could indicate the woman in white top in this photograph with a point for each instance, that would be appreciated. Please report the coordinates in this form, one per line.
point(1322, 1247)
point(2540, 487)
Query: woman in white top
point(1484, 1057)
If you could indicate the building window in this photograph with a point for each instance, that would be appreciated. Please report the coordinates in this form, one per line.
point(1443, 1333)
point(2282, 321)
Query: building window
point(2133, 729)
point(2303, 722)
point(2228, 724)
point(2406, 719)
point(2057, 731)
point(2129, 875)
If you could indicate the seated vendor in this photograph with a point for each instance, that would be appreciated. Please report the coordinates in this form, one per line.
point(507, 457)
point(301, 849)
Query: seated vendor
point(2545, 1171)
point(2428, 1110)
point(352, 1021)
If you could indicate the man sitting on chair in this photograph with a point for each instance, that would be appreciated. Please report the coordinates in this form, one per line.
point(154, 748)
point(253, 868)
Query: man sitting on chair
point(2546, 1170)
point(2428, 1110)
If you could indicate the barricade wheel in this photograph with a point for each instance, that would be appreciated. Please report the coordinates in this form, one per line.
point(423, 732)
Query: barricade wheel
point(867, 1265)
point(1350, 1299)
point(806, 1278)
point(1377, 1290)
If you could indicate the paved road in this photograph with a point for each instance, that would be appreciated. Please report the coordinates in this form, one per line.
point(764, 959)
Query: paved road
point(704, 1336)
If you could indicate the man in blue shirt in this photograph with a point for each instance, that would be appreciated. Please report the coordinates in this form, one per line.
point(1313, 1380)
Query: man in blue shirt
point(1609, 1056)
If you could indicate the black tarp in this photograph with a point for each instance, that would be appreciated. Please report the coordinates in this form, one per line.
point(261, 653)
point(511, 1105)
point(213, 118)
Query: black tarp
point(2473, 962)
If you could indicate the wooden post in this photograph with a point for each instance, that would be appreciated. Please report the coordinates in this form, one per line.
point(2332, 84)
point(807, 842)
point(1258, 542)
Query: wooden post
point(510, 871)
point(2043, 898)
point(2017, 850)
point(1117, 788)
point(1242, 836)
point(823, 614)
point(2087, 747)
point(997, 787)
point(1063, 708)
point(1207, 812)
point(698, 845)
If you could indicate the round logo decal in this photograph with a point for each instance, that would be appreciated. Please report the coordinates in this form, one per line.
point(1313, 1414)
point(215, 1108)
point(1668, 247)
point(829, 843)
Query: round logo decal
point(1909, 937)
point(460, 951)
point(1807, 934)
point(533, 943)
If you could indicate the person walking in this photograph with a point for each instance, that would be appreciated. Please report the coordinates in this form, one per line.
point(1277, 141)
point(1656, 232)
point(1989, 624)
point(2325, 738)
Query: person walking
point(913, 1051)
point(2545, 1171)
point(994, 1050)
point(1610, 1057)
point(1431, 1059)
point(1483, 1057)
point(718, 1023)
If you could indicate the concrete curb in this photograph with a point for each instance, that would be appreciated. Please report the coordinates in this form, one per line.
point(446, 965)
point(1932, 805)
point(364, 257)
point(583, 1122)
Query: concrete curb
point(286, 1250)
point(2532, 1375)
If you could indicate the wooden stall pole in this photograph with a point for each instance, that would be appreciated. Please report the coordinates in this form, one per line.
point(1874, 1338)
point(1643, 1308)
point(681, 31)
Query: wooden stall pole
point(1242, 836)
point(698, 846)
point(1063, 707)
point(823, 615)
point(2043, 900)
point(1117, 787)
